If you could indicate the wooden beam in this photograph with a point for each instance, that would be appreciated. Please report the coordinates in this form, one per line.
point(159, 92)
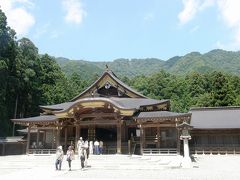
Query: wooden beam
point(99, 122)
point(158, 125)
point(82, 116)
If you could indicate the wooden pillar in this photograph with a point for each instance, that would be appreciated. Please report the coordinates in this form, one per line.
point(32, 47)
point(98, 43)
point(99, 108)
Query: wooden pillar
point(3, 149)
point(53, 134)
point(44, 138)
point(158, 137)
point(144, 137)
point(76, 137)
point(141, 139)
point(28, 140)
point(23, 148)
point(37, 138)
point(178, 142)
point(119, 138)
point(129, 146)
point(13, 131)
point(57, 136)
point(91, 133)
point(65, 138)
point(123, 127)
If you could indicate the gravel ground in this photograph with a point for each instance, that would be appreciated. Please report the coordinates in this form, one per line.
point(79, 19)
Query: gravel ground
point(211, 167)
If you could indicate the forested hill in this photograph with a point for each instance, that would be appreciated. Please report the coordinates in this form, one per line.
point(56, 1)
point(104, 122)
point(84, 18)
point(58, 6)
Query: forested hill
point(220, 60)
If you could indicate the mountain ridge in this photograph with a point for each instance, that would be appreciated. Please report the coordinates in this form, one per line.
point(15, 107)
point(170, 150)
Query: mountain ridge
point(214, 60)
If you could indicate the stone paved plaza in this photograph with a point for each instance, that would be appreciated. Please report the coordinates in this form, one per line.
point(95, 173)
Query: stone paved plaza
point(121, 167)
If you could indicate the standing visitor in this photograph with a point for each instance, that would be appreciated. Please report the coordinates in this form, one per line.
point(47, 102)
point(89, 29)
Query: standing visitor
point(86, 153)
point(80, 143)
point(81, 156)
point(86, 146)
point(59, 158)
point(96, 147)
point(101, 147)
point(90, 147)
point(70, 156)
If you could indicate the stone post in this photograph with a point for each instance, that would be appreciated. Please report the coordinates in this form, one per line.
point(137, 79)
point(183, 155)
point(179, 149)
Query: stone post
point(184, 128)
point(187, 162)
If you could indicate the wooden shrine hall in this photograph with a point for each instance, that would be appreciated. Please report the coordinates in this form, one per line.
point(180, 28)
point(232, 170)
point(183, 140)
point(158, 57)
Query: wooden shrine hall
point(109, 110)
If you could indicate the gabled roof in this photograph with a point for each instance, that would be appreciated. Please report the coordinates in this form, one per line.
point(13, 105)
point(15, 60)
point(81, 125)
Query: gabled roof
point(215, 118)
point(111, 75)
point(124, 103)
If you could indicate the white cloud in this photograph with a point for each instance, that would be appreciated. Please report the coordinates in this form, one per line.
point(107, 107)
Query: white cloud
point(191, 8)
point(189, 11)
point(18, 17)
point(74, 11)
point(229, 10)
point(229, 13)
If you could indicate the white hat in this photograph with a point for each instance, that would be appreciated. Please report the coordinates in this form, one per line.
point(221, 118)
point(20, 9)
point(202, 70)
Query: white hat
point(60, 147)
point(80, 138)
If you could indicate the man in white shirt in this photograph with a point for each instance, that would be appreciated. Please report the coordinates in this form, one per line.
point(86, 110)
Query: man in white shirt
point(96, 147)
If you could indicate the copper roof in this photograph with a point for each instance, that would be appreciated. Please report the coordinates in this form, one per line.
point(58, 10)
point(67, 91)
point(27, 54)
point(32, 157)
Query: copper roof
point(125, 103)
point(215, 118)
point(37, 119)
point(161, 114)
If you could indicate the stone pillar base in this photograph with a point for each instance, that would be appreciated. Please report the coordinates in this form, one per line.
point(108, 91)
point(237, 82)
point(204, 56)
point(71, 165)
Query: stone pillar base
point(186, 162)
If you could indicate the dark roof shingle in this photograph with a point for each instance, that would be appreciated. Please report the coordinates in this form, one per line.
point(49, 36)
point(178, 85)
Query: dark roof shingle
point(215, 118)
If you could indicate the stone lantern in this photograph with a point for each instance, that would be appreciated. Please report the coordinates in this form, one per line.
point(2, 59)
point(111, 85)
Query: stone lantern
point(185, 136)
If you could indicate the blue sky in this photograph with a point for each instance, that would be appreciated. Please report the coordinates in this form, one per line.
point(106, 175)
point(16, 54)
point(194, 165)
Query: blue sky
point(104, 30)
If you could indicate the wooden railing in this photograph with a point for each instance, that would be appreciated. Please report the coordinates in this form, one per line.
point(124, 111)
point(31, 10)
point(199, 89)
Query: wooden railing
point(215, 149)
point(160, 151)
point(42, 151)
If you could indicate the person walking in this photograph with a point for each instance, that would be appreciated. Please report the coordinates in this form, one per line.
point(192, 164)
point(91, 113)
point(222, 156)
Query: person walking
point(70, 156)
point(86, 152)
point(80, 143)
point(81, 156)
point(96, 147)
point(100, 147)
point(59, 158)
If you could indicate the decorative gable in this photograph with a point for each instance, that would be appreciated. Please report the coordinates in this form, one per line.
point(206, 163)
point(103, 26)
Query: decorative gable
point(108, 85)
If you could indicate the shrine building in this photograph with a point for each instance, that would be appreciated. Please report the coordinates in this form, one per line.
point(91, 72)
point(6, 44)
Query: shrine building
point(125, 120)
